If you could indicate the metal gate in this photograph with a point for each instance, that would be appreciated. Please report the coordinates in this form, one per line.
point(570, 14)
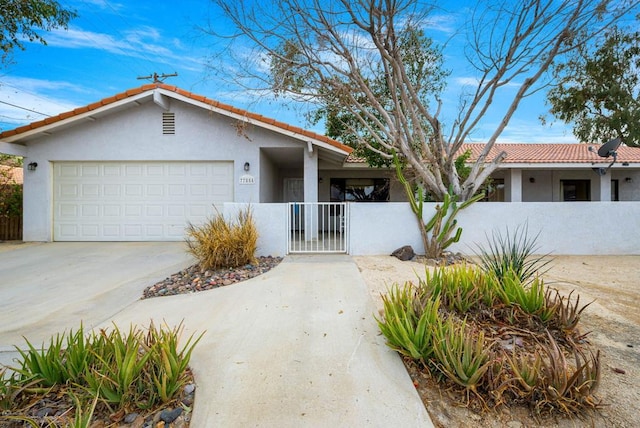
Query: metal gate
point(318, 227)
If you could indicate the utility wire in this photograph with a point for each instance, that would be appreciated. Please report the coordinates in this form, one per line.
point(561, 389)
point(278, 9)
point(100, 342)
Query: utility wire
point(24, 108)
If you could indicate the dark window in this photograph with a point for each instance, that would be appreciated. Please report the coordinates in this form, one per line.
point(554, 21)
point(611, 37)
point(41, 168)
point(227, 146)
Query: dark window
point(615, 186)
point(359, 189)
point(576, 190)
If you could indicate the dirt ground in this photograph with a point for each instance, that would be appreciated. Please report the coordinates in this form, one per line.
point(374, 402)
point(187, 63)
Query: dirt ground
point(613, 320)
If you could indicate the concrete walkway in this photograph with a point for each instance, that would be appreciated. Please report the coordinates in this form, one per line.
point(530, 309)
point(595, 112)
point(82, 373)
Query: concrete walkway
point(47, 288)
point(297, 346)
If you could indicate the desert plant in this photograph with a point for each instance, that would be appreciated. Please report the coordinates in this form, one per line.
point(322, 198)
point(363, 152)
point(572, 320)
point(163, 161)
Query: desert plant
point(437, 232)
point(570, 389)
point(168, 362)
point(118, 366)
point(461, 356)
point(459, 287)
point(408, 326)
point(528, 297)
point(568, 312)
point(526, 371)
point(513, 252)
point(44, 365)
point(219, 243)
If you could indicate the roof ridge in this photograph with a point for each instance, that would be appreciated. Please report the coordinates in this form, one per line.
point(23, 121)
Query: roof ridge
point(195, 97)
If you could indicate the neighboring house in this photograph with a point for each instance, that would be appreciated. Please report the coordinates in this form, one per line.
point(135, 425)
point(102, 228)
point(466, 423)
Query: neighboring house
point(141, 164)
point(562, 172)
point(10, 175)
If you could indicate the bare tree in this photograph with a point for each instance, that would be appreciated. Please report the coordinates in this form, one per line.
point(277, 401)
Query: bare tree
point(329, 52)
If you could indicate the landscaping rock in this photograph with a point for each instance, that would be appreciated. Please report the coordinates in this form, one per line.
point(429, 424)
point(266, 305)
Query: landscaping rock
point(194, 278)
point(404, 253)
point(170, 415)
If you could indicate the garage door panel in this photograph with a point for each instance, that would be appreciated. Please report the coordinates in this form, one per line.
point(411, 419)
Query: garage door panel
point(131, 201)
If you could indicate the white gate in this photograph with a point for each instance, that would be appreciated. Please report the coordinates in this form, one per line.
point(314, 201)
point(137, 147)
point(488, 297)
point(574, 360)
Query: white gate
point(318, 227)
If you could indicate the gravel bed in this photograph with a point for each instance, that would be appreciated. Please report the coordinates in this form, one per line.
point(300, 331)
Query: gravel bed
point(194, 279)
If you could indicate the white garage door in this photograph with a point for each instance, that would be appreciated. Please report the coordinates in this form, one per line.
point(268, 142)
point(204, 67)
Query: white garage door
point(136, 201)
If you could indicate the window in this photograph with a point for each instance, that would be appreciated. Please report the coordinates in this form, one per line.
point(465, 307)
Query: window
point(615, 190)
point(494, 190)
point(575, 190)
point(359, 189)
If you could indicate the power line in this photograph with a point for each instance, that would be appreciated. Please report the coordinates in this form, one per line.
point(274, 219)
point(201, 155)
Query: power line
point(24, 108)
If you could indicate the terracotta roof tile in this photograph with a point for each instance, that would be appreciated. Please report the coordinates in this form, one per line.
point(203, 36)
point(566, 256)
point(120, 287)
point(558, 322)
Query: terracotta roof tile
point(150, 86)
point(552, 153)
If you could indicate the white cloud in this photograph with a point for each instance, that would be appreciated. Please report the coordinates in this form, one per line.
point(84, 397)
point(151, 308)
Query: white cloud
point(144, 42)
point(24, 100)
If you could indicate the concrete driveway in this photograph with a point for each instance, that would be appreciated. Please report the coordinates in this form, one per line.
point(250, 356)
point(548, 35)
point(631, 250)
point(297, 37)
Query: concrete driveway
point(46, 288)
point(297, 346)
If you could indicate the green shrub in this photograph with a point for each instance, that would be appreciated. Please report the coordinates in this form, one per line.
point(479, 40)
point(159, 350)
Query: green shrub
point(224, 244)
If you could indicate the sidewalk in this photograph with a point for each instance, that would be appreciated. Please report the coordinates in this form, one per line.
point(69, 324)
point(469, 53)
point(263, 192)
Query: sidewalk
point(297, 346)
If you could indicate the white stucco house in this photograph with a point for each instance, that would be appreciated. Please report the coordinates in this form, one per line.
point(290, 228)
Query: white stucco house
point(139, 165)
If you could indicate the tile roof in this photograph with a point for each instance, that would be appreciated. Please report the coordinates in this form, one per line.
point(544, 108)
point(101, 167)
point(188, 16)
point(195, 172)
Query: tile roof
point(199, 98)
point(552, 153)
point(542, 154)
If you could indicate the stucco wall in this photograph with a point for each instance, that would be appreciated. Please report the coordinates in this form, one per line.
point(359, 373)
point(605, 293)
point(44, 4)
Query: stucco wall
point(136, 134)
point(567, 228)
point(578, 228)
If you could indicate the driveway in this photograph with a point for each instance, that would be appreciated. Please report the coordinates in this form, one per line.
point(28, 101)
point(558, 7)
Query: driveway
point(297, 346)
point(46, 288)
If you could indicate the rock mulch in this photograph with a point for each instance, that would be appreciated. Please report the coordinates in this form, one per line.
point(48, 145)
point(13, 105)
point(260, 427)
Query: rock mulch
point(194, 279)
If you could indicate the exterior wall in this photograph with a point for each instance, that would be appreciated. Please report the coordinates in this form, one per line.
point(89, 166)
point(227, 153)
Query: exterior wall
point(538, 185)
point(628, 190)
point(271, 221)
point(136, 134)
point(571, 228)
point(577, 228)
point(268, 181)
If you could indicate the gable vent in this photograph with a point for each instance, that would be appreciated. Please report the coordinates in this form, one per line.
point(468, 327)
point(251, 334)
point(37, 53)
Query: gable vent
point(168, 123)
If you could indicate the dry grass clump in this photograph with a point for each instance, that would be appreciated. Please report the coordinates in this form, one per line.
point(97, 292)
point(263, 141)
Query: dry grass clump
point(220, 243)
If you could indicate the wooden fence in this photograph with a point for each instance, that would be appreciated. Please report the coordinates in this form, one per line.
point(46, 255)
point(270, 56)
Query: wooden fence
point(10, 228)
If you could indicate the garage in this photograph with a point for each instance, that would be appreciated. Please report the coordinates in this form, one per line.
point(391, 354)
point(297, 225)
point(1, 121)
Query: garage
point(136, 201)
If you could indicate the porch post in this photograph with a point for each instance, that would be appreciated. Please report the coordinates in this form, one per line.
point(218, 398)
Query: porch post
point(311, 194)
point(604, 184)
point(514, 185)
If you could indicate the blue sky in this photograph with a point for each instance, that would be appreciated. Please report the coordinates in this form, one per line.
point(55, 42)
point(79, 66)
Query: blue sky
point(113, 42)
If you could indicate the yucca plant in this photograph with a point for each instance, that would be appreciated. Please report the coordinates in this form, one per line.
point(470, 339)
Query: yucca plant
point(219, 243)
point(408, 327)
point(461, 356)
point(513, 252)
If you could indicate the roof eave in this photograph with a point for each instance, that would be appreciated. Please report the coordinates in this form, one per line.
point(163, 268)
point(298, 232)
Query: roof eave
point(91, 112)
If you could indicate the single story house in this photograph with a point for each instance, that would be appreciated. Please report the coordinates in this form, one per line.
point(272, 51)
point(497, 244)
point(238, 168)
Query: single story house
point(140, 164)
